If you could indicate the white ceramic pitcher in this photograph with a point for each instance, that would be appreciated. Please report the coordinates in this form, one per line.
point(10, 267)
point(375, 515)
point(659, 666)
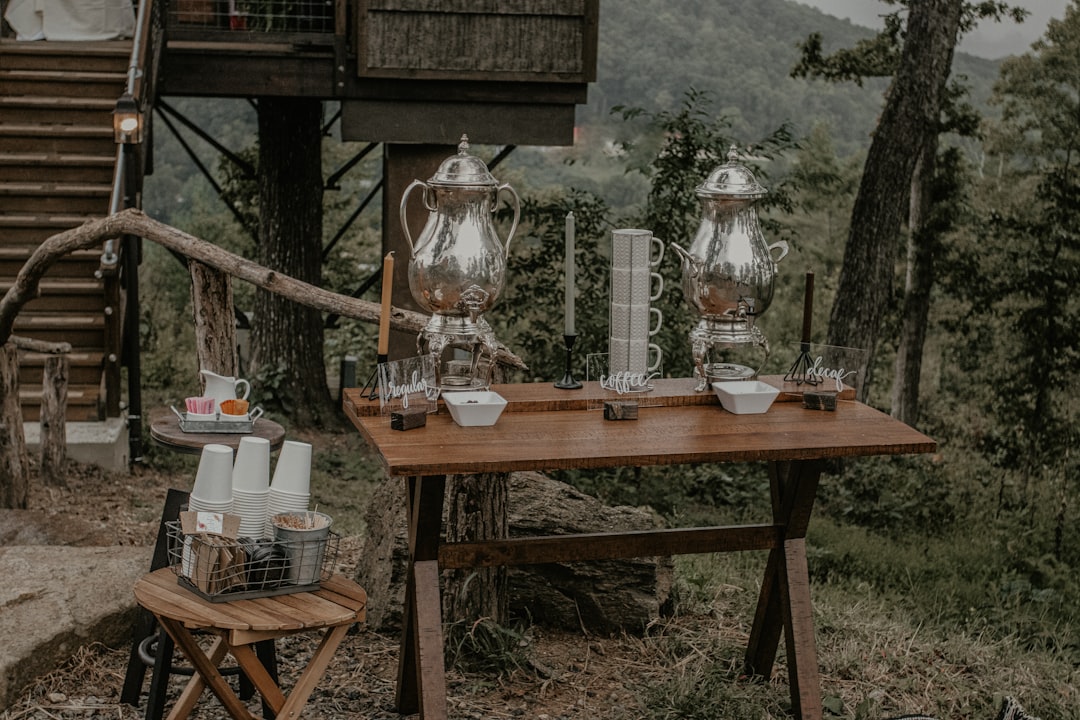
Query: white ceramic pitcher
point(223, 388)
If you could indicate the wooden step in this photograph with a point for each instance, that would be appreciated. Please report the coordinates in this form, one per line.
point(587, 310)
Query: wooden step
point(60, 168)
point(101, 56)
point(80, 330)
point(84, 368)
point(72, 83)
point(64, 294)
point(77, 264)
point(28, 230)
point(30, 137)
point(28, 109)
point(16, 197)
point(83, 403)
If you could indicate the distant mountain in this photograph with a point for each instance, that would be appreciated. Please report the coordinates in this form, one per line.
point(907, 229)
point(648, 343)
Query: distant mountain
point(652, 51)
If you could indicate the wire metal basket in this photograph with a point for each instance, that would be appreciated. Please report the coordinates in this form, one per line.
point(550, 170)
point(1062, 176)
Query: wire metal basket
point(221, 569)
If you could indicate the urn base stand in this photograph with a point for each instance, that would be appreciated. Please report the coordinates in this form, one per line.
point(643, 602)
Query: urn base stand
point(464, 351)
point(727, 350)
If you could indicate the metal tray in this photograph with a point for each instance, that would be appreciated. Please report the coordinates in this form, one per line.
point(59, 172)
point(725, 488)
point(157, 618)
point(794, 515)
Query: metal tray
point(219, 426)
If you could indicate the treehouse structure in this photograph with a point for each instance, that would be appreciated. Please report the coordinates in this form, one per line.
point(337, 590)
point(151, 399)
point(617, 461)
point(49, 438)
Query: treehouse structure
point(79, 82)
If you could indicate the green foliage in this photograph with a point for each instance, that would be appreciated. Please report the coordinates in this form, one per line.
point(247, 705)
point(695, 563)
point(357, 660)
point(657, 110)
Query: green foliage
point(530, 317)
point(484, 646)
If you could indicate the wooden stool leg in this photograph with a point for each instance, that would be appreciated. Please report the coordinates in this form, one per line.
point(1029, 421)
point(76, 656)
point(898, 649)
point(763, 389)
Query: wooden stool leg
point(313, 672)
point(194, 689)
point(205, 668)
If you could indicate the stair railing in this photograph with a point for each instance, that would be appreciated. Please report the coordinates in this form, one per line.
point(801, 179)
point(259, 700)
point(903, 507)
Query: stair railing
point(120, 259)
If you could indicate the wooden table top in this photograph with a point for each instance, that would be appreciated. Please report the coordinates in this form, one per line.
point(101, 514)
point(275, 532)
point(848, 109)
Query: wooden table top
point(165, 431)
point(544, 428)
point(337, 601)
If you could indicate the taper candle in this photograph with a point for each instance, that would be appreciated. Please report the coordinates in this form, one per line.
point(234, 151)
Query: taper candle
point(808, 306)
point(384, 314)
point(569, 301)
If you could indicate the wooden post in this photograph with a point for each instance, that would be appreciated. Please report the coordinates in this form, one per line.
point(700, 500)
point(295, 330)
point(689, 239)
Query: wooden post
point(215, 324)
point(53, 423)
point(14, 465)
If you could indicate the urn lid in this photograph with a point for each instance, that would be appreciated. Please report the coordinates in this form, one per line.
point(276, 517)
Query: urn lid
point(463, 169)
point(731, 180)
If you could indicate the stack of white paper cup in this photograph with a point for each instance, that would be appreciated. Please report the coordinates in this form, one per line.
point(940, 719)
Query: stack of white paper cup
point(290, 490)
point(251, 485)
point(212, 491)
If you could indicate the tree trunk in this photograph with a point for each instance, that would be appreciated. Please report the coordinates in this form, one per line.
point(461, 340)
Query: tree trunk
point(14, 465)
point(215, 323)
point(909, 120)
point(476, 510)
point(53, 422)
point(919, 281)
point(287, 338)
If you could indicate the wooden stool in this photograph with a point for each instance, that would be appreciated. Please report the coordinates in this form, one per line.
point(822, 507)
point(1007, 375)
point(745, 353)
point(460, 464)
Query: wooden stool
point(336, 605)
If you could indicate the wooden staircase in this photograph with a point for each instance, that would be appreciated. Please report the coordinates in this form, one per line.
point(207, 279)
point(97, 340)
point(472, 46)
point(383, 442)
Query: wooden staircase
point(57, 156)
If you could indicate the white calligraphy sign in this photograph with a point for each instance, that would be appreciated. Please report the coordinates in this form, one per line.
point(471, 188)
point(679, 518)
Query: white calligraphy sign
point(408, 383)
point(827, 367)
point(619, 385)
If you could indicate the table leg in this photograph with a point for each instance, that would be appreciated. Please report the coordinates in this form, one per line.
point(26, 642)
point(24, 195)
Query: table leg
point(206, 668)
point(421, 674)
point(784, 600)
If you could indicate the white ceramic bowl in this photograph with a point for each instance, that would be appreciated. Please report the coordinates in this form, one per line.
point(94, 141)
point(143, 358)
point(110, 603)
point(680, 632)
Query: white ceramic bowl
point(745, 397)
point(474, 408)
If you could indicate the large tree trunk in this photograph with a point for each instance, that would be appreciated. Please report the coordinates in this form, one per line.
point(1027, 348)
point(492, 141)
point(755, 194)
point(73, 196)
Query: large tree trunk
point(215, 322)
point(286, 338)
point(919, 280)
point(477, 510)
point(908, 123)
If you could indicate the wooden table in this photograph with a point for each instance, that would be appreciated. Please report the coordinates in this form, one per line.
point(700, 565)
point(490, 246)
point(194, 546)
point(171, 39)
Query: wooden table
point(238, 624)
point(165, 431)
point(544, 428)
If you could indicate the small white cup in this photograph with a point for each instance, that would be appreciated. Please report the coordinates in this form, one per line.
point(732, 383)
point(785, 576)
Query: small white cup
point(293, 470)
point(200, 417)
point(213, 479)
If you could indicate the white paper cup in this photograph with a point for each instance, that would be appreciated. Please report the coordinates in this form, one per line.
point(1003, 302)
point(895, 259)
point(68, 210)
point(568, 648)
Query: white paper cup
point(251, 472)
point(213, 479)
point(293, 470)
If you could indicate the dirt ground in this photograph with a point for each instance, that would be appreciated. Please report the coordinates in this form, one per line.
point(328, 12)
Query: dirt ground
point(566, 675)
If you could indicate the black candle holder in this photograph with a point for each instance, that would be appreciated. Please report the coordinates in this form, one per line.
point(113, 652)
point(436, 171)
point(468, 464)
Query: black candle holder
point(568, 382)
point(371, 386)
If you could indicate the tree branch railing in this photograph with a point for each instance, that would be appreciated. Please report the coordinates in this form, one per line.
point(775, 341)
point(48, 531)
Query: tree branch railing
point(135, 222)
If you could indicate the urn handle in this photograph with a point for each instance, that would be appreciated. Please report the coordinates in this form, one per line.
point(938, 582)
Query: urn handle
point(517, 212)
point(782, 244)
point(404, 200)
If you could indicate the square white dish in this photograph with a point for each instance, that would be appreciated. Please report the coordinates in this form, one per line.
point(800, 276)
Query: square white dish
point(745, 397)
point(474, 408)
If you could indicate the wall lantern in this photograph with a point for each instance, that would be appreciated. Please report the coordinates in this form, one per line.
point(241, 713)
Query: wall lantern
point(127, 121)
